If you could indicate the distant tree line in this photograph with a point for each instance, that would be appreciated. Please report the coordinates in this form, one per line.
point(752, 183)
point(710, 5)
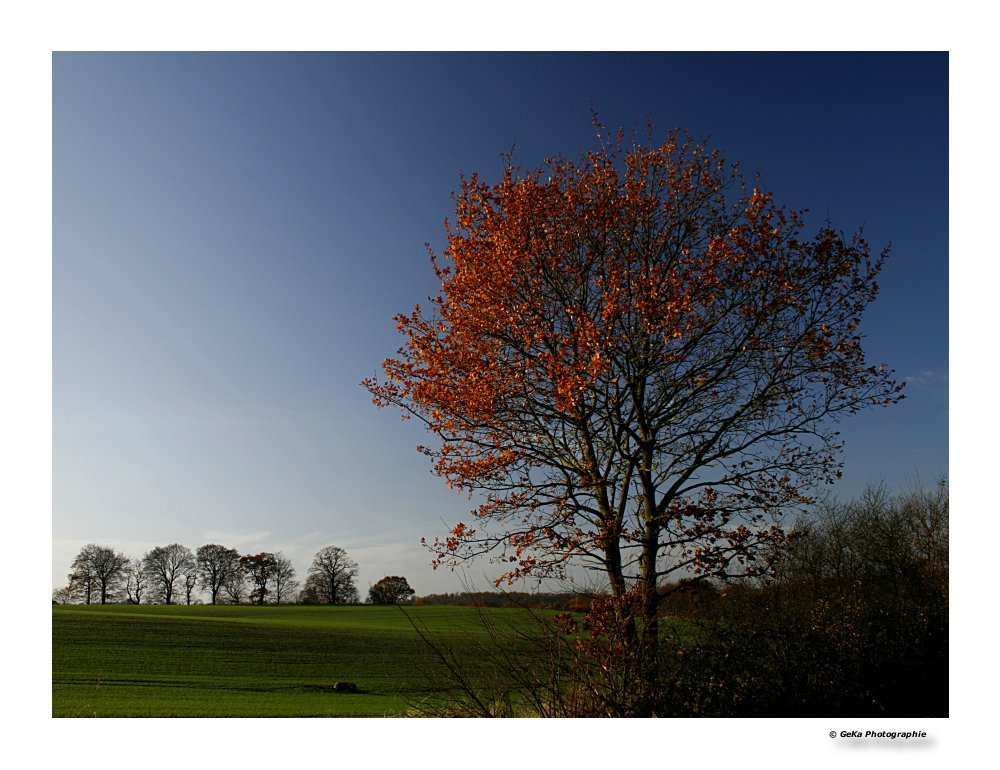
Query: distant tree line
point(567, 600)
point(174, 574)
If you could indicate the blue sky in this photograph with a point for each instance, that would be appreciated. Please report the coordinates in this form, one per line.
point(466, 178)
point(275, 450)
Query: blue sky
point(232, 235)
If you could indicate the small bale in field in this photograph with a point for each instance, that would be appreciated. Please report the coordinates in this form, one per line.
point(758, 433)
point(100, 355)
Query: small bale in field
point(345, 687)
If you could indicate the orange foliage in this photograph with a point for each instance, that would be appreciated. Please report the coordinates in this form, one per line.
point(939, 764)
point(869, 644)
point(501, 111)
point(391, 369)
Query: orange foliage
point(634, 360)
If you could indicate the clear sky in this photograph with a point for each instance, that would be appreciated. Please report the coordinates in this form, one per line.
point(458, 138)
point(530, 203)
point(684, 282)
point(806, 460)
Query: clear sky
point(232, 235)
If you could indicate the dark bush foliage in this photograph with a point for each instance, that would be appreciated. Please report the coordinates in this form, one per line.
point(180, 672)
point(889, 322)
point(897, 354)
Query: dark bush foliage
point(855, 623)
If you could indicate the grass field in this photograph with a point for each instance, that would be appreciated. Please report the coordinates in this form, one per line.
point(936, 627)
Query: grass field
point(245, 661)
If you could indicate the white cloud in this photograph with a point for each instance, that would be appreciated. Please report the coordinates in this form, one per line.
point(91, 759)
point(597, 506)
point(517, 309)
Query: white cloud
point(927, 382)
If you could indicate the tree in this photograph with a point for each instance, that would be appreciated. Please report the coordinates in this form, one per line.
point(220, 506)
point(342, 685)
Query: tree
point(313, 591)
point(391, 589)
point(100, 567)
point(336, 573)
point(136, 581)
point(80, 586)
point(890, 546)
point(165, 565)
point(259, 569)
point(65, 595)
point(638, 363)
point(283, 580)
point(235, 586)
point(190, 582)
point(216, 565)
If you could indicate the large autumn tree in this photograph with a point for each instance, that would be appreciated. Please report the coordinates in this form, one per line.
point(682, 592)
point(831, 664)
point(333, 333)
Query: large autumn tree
point(636, 361)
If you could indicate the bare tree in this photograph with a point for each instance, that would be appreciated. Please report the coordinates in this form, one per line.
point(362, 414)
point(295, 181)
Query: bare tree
point(190, 583)
point(216, 565)
point(165, 564)
point(101, 568)
point(313, 591)
point(235, 587)
point(283, 580)
point(337, 572)
point(136, 581)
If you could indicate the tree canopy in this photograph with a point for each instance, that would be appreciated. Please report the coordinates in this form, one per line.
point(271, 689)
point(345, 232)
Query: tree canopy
point(216, 566)
point(332, 577)
point(259, 569)
point(98, 567)
point(392, 589)
point(165, 565)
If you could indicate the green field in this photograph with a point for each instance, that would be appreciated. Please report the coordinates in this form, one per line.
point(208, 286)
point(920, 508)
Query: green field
point(245, 661)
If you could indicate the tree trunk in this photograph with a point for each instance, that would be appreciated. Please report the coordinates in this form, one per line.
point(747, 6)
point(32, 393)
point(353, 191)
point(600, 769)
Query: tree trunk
point(619, 590)
point(649, 647)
